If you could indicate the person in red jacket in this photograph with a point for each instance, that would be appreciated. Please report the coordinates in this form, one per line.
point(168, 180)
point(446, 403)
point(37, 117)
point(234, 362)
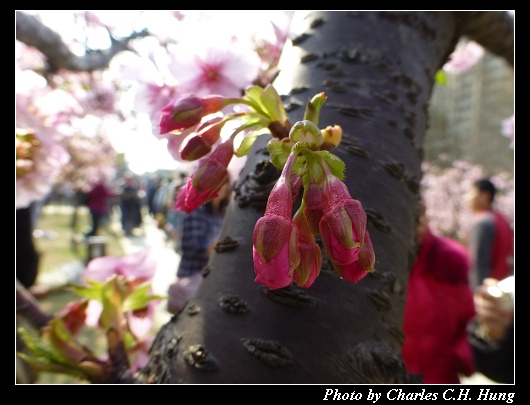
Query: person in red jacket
point(491, 238)
point(438, 307)
point(98, 204)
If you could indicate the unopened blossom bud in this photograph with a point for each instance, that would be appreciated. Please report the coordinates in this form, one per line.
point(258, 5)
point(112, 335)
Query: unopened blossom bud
point(357, 269)
point(343, 224)
point(332, 136)
point(306, 131)
point(201, 144)
point(313, 207)
point(74, 315)
point(208, 178)
point(310, 254)
point(188, 111)
point(275, 251)
point(296, 184)
point(275, 236)
point(195, 148)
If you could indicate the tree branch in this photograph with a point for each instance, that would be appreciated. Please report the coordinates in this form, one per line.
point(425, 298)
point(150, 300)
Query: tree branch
point(28, 307)
point(32, 32)
point(494, 30)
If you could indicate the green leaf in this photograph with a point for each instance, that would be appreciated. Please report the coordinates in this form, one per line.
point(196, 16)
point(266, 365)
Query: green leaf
point(336, 165)
point(139, 298)
point(279, 151)
point(246, 144)
point(112, 314)
point(273, 104)
point(70, 351)
point(253, 97)
point(93, 292)
point(42, 365)
point(441, 77)
point(37, 346)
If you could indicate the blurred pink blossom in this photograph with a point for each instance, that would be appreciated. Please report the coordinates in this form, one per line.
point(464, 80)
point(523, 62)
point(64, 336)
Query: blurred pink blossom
point(137, 268)
point(508, 129)
point(466, 54)
point(204, 68)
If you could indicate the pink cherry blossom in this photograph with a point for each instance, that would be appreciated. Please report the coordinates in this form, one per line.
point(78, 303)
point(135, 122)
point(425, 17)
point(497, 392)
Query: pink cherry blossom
point(466, 54)
point(204, 68)
point(137, 268)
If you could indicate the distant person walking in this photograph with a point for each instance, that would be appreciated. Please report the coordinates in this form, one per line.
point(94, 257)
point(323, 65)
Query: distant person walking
point(98, 203)
point(130, 206)
point(491, 238)
point(200, 230)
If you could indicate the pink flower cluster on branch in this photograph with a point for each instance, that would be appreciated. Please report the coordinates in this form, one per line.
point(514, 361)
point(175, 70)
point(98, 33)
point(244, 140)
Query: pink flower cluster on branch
point(285, 248)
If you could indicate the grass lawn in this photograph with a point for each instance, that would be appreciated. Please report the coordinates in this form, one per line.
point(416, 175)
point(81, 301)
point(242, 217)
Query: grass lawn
point(59, 240)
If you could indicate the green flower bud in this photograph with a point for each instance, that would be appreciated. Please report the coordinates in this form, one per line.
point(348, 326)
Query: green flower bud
point(307, 132)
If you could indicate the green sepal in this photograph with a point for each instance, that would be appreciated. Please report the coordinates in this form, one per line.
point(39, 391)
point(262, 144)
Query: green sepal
point(93, 292)
point(266, 102)
point(62, 342)
point(139, 298)
point(38, 347)
point(312, 110)
point(43, 365)
point(335, 164)
point(112, 300)
point(279, 151)
point(246, 144)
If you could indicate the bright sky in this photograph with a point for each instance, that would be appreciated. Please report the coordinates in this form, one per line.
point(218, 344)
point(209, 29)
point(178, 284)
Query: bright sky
point(143, 151)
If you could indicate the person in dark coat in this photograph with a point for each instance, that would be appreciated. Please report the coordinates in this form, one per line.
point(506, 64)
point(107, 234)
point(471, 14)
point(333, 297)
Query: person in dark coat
point(130, 206)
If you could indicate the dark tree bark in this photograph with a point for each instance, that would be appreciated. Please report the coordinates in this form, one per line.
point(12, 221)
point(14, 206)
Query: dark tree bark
point(378, 70)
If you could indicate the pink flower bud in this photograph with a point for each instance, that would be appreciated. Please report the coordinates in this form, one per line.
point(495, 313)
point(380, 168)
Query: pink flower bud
point(208, 178)
point(296, 184)
point(74, 315)
point(313, 207)
point(310, 254)
point(356, 270)
point(344, 222)
point(275, 236)
point(274, 251)
point(188, 111)
point(201, 144)
point(196, 148)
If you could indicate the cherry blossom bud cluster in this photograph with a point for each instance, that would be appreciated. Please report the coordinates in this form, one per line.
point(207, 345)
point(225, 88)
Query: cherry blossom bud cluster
point(285, 247)
point(285, 250)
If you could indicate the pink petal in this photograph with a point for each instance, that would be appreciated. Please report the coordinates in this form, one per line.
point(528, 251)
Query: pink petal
point(101, 268)
point(274, 273)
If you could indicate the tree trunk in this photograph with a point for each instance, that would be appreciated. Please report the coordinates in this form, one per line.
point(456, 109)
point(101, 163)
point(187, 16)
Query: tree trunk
point(26, 254)
point(377, 69)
